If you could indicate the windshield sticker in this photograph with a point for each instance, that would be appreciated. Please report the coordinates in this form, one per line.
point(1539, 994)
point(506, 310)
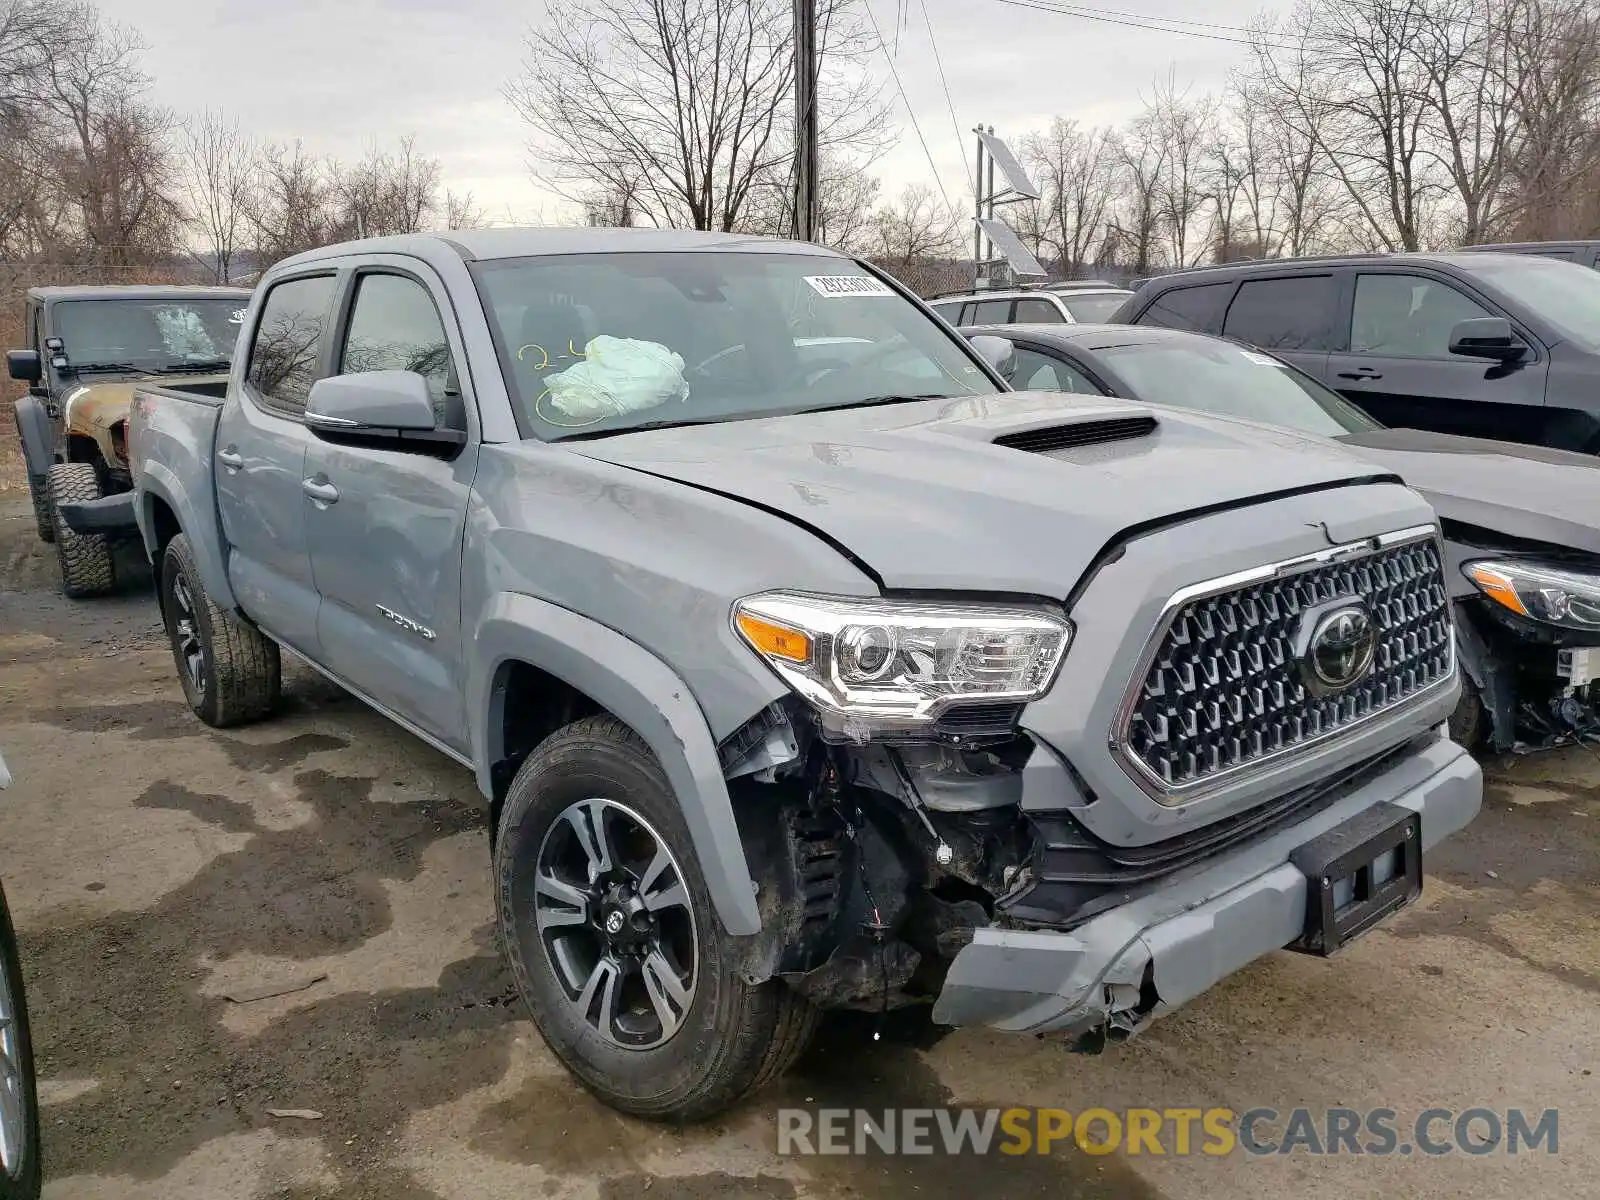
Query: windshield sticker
point(236, 317)
point(1261, 360)
point(848, 285)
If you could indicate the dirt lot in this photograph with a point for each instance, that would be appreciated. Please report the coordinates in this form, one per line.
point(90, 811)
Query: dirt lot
point(156, 867)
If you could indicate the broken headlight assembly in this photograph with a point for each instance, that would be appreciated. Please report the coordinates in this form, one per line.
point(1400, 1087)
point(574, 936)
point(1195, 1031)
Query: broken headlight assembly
point(883, 668)
point(1553, 595)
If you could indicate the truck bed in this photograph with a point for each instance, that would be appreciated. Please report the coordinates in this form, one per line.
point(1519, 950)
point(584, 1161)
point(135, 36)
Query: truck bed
point(171, 442)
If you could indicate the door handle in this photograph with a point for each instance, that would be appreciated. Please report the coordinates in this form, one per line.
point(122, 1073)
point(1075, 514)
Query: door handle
point(1361, 373)
point(230, 458)
point(320, 490)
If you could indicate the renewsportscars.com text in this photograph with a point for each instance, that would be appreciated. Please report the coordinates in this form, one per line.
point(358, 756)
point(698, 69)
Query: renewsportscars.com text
point(1168, 1131)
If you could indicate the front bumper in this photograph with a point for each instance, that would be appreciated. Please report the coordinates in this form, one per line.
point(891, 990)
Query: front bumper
point(109, 514)
point(1191, 929)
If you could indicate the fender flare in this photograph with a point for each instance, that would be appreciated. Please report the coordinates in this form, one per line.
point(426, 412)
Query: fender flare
point(640, 690)
point(157, 481)
point(33, 425)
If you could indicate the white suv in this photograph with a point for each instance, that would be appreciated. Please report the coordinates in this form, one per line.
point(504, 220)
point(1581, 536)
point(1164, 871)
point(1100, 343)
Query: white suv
point(1083, 302)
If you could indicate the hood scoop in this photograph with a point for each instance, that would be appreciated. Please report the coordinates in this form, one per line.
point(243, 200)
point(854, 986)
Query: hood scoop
point(1050, 438)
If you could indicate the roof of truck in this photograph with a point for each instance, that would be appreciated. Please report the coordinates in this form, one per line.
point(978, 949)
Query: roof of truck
point(132, 291)
point(524, 242)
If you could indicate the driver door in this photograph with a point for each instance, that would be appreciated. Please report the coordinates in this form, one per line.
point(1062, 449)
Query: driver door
point(1397, 363)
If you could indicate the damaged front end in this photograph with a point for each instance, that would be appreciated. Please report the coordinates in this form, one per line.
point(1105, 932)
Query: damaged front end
point(1528, 628)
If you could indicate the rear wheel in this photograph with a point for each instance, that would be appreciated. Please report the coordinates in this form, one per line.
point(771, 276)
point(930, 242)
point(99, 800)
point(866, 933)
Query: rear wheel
point(20, 1163)
point(611, 936)
point(87, 567)
point(230, 671)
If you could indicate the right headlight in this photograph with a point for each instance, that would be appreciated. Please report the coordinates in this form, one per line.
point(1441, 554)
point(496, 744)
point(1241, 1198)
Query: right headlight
point(1554, 595)
point(873, 666)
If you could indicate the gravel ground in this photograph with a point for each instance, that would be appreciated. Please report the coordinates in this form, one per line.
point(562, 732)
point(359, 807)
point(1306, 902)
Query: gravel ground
point(157, 868)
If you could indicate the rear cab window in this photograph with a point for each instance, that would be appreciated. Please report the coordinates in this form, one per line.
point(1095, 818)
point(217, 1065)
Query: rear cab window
point(287, 346)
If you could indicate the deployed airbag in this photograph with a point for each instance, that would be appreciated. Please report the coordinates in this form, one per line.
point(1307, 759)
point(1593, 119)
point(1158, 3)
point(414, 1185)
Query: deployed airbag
point(616, 376)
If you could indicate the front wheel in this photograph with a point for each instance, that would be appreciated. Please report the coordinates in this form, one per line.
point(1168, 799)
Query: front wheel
point(230, 671)
point(20, 1162)
point(608, 927)
point(87, 566)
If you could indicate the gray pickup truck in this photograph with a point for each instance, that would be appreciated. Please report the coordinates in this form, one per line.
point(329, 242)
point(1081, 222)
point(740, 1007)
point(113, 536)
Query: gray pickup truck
point(803, 664)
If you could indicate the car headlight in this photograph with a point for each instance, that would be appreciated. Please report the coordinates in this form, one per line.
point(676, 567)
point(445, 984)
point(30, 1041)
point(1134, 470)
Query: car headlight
point(875, 666)
point(1570, 599)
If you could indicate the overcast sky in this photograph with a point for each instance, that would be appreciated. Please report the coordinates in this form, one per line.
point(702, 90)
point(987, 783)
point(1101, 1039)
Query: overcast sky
point(338, 75)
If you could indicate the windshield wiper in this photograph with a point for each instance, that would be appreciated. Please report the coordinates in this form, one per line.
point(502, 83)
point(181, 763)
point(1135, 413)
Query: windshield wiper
point(95, 368)
point(208, 366)
point(871, 401)
point(590, 434)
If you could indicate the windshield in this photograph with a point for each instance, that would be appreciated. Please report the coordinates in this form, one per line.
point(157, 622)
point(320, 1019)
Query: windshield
point(1564, 294)
point(149, 335)
point(1215, 376)
point(604, 343)
point(1095, 308)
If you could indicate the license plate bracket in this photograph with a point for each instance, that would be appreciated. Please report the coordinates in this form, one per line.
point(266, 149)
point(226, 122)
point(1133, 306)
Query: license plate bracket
point(1387, 835)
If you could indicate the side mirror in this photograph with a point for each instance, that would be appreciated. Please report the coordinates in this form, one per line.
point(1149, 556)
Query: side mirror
point(24, 365)
point(380, 404)
point(1000, 353)
point(1486, 337)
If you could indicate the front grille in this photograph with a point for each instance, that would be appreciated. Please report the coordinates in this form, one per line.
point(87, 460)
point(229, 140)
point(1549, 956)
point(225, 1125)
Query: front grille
point(1223, 690)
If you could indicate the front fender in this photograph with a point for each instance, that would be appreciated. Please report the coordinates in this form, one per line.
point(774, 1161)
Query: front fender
point(33, 425)
point(637, 688)
point(157, 481)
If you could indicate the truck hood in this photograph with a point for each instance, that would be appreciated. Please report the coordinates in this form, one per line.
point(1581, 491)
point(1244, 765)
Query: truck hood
point(1525, 492)
point(924, 499)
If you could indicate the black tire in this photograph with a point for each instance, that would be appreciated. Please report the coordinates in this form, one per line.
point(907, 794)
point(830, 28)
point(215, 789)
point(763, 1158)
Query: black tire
point(231, 673)
point(40, 498)
point(87, 566)
point(23, 1179)
point(733, 1036)
point(1467, 719)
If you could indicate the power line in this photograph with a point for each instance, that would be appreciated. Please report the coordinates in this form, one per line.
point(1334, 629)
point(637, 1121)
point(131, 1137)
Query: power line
point(910, 112)
point(1108, 18)
point(949, 101)
point(1252, 36)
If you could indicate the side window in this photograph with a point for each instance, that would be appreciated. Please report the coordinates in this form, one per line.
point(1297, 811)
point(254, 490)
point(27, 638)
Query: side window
point(1194, 308)
point(1038, 311)
point(1283, 314)
point(395, 327)
point(1407, 316)
point(1041, 373)
point(35, 327)
point(967, 310)
point(288, 340)
point(992, 312)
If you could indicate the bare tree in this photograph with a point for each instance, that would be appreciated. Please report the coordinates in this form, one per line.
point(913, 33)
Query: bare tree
point(289, 207)
point(1074, 168)
point(1182, 131)
point(386, 192)
point(116, 154)
point(461, 211)
point(914, 228)
point(1134, 228)
point(217, 162)
point(686, 103)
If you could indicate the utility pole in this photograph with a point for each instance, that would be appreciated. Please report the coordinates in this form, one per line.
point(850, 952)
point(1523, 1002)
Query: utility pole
point(805, 119)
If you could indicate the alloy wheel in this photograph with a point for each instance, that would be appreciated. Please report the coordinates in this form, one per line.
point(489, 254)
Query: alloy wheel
point(614, 917)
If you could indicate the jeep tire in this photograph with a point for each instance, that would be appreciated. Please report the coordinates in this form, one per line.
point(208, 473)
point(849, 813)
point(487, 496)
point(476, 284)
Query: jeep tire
point(87, 565)
point(667, 1028)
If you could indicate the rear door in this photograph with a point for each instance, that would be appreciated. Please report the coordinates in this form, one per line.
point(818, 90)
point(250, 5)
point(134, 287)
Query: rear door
point(1393, 359)
point(1292, 315)
point(260, 450)
point(386, 551)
